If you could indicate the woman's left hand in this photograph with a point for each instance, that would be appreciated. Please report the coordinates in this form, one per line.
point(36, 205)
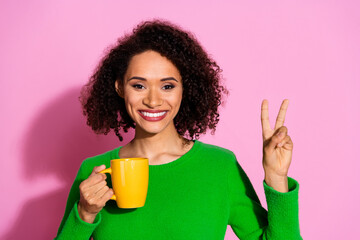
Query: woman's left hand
point(277, 148)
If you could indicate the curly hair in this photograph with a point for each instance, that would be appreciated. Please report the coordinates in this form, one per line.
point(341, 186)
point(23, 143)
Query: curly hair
point(201, 77)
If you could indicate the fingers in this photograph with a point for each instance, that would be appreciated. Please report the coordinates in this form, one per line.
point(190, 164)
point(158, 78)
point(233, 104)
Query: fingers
point(286, 143)
point(278, 137)
point(94, 192)
point(101, 191)
point(98, 186)
point(100, 198)
point(103, 195)
point(265, 123)
point(96, 177)
point(281, 115)
point(93, 180)
point(106, 196)
point(97, 169)
point(98, 202)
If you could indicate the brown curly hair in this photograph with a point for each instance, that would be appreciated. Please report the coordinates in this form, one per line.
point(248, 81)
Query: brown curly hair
point(202, 92)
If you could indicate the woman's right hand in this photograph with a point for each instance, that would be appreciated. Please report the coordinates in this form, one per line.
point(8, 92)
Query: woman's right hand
point(94, 193)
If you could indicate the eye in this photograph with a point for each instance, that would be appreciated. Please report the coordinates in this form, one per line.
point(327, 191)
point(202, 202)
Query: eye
point(137, 86)
point(170, 86)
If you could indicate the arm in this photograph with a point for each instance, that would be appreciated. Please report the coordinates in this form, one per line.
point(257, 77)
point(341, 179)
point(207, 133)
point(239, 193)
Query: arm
point(249, 220)
point(72, 226)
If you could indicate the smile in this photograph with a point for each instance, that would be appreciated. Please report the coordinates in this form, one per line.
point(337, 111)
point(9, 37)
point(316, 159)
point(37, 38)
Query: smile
point(157, 116)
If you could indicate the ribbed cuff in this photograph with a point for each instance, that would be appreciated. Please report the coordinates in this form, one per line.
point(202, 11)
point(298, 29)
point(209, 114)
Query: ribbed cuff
point(76, 228)
point(293, 186)
point(283, 211)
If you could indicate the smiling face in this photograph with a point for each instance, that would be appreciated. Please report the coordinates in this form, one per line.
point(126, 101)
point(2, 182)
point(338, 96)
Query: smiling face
point(152, 92)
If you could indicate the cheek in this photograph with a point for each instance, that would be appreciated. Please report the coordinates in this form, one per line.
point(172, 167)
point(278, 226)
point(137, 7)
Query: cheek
point(130, 103)
point(131, 98)
point(176, 99)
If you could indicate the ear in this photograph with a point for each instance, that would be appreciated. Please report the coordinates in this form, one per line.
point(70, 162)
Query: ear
point(119, 89)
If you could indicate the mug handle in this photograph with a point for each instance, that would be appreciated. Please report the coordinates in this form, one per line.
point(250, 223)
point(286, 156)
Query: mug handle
point(108, 170)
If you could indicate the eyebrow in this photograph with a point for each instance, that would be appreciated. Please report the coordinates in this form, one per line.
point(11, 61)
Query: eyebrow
point(163, 79)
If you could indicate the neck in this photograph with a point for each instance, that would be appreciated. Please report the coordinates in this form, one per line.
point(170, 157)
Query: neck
point(148, 144)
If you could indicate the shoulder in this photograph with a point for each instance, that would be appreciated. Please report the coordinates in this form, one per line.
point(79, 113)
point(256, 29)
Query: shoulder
point(216, 153)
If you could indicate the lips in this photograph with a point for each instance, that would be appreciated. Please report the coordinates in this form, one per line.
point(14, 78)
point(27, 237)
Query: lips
point(153, 115)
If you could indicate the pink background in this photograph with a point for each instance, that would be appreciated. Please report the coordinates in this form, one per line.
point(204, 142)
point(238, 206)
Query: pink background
point(306, 51)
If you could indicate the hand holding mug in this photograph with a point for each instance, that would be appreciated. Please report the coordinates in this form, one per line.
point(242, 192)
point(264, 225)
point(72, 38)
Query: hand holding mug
point(94, 193)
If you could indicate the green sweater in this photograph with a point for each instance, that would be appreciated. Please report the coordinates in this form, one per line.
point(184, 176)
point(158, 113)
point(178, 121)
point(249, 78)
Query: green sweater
point(193, 197)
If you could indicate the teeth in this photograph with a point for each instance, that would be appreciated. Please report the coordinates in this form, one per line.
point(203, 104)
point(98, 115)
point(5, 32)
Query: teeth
point(153, 114)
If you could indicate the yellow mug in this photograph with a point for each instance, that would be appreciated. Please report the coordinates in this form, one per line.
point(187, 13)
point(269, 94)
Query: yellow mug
point(130, 180)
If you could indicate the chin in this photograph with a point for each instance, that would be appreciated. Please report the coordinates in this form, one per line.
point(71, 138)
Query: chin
point(152, 129)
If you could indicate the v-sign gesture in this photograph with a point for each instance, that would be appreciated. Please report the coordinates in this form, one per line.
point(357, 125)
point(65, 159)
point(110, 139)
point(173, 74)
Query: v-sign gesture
point(277, 148)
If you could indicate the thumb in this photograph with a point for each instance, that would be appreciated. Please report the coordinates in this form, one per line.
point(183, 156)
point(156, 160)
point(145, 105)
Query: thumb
point(277, 138)
point(97, 169)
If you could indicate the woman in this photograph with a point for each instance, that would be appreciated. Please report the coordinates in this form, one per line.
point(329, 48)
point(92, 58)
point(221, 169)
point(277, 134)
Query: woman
point(161, 82)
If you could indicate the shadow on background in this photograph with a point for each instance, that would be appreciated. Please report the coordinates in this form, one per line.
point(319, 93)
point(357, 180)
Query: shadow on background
point(56, 144)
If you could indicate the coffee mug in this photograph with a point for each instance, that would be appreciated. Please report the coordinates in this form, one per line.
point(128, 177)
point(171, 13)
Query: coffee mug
point(130, 180)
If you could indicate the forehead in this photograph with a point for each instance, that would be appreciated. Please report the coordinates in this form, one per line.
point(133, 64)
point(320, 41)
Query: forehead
point(151, 64)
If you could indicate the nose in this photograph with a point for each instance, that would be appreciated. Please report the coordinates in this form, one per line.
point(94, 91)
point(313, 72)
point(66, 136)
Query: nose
point(153, 98)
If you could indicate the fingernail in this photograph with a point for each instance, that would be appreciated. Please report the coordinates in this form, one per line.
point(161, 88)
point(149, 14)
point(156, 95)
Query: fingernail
point(281, 134)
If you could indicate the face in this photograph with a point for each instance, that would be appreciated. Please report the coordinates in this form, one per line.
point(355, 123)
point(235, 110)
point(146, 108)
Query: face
point(152, 92)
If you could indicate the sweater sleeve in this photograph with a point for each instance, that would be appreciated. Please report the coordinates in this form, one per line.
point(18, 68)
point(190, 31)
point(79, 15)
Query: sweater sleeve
point(250, 221)
point(72, 226)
